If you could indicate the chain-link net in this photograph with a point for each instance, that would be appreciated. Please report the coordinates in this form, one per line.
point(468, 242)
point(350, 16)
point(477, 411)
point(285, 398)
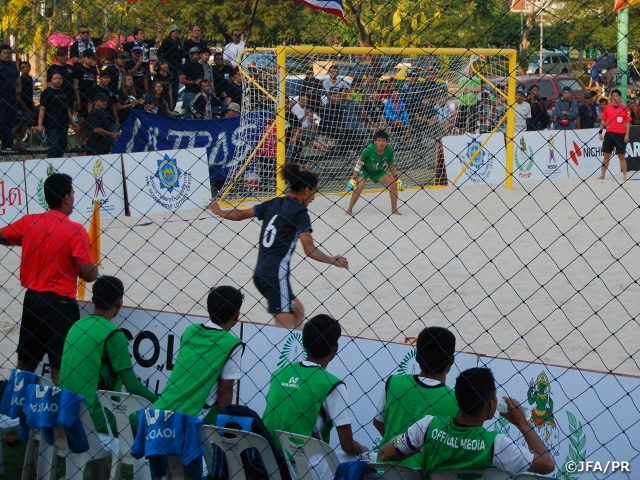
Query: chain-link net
point(507, 237)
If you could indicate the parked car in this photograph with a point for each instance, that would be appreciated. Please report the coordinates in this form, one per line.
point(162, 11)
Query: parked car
point(551, 86)
point(552, 62)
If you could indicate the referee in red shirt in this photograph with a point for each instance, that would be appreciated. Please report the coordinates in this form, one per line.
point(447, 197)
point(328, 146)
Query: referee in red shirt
point(616, 117)
point(55, 251)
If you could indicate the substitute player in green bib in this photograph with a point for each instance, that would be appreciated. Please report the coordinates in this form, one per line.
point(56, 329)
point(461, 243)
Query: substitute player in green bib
point(306, 399)
point(408, 398)
point(462, 443)
point(96, 352)
point(373, 163)
point(209, 360)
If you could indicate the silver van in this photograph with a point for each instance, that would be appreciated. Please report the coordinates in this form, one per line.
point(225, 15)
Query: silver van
point(552, 62)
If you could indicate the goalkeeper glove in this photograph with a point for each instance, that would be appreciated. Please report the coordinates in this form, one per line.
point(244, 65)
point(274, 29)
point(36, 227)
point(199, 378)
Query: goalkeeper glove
point(400, 184)
point(351, 186)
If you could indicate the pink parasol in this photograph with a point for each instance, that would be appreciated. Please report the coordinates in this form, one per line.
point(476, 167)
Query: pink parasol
point(60, 39)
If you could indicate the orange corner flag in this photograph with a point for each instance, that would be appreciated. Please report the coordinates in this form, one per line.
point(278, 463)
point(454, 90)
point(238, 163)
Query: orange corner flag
point(620, 4)
point(94, 241)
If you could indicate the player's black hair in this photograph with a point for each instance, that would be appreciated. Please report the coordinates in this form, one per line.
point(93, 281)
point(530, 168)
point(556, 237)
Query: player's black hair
point(380, 134)
point(5, 46)
point(298, 179)
point(137, 30)
point(56, 187)
point(616, 91)
point(473, 388)
point(320, 335)
point(107, 291)
point(435, 349)
point(22, 64)
point(223, 303)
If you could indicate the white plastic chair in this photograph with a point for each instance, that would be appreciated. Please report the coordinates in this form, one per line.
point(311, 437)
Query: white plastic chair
point(121, 409)
point(7, 425)
point(99, 448)
point(302, 448)
point(233, 443)
point(488, 474)
point(388, 471)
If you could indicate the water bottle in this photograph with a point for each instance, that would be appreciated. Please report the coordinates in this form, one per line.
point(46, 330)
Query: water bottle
point(502, 408)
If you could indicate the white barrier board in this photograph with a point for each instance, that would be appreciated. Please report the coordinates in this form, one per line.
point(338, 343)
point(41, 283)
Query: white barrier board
point(13, 197)
point(488, 167)
point(539, 155)
point(166, 181)
point(95, 178)
point(584, 154)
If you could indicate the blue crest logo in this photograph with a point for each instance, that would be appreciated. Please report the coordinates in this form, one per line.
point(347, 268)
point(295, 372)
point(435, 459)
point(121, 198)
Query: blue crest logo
point(168, 173)
point(475, 148)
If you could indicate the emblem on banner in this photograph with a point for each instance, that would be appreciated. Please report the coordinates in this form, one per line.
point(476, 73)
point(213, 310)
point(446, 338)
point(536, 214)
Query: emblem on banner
point(542, 419)
point(404, 368)
point(524, 159)
point(40, 192)
point(552, 150)
point(98, 170)
point(293, 350)
point(169, 186)
point(480, 167)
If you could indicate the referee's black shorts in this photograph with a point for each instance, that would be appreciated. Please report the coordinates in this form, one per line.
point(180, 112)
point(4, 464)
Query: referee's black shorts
point(614, 141)
point(46, 320)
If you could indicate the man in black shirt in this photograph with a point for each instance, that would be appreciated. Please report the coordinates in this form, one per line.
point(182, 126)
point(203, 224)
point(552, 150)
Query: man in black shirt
point(313, 88)
point(100, 137)
point(221, 74)
point(116, 73)
point(173, 52)
point(84, 82)
point(196, 40)
point(144, 45)
point(84, 42)
point(28, 114)
point(192, 72)
point(233, 91)
point(112, 99)
point(64, 68)
point(55, 116)
point(136, 68)
point(587, 114)
point(8, 99)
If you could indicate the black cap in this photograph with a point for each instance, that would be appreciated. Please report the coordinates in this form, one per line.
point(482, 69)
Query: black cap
point(88, 53)
point(101, 96)
point(150, 99)
point(588, 95)
point(121, 55)
point(105, 72)
point(566, 89)
point(62, 52)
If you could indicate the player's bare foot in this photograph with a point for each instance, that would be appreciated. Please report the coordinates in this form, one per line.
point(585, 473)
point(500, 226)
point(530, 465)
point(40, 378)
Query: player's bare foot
point(397, 212)
point(624, 178)
point(601, 177)
point(349, 212)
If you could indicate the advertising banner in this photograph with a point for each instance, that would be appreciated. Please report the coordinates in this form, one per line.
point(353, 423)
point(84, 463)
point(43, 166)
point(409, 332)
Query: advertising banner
point(95, 178)
point(166, 181)
point(539, 156)
point(13, 197)
point(488, 167)
point(584, 154)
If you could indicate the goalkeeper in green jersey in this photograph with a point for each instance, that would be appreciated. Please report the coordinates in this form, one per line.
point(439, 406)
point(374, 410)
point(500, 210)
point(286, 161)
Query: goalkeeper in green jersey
point(372, 164)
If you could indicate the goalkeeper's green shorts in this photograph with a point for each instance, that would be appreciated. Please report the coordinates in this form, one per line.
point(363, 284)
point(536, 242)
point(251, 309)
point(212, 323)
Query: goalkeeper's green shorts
point(375, 176)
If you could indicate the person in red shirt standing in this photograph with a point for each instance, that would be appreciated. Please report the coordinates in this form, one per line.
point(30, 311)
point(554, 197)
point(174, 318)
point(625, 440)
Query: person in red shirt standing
point(616, 117)
point(55, 251)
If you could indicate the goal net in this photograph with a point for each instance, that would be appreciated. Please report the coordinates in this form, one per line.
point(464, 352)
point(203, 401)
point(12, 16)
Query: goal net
point(320, 107)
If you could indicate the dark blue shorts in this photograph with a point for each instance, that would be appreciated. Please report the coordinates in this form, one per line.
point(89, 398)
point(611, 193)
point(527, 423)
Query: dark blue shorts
point(277, 292)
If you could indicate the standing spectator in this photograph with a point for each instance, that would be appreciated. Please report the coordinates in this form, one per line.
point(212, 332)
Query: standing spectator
point(334, 82)
point(485, 113)
point(117, 72)
point(233, 91)
point(84, 42)
point(100, 137)
point(160, 93)
point(112, 99)
point(314, 89)
point(221, 73)
point(144, 45)
point(135, 67)
point(539, 117)
point(633, 108)
point(522, 112)
point(49, 272)
point(205, 105)
point(8, 100)
point(412, 93)
point(192, 72)
point(172, 52)
point(616, 118)
point(84, 82)
point(396, 116)
point(54, 116)
point(595, 75)
point(469, 89)
point(565, 111)
point(587, 114)
point(128, 99)
point(608, 80)
point(603, 102)
point(163, 76)
point(65, 70)
point(205, 55)
point(28, 115)
point(195, 40)
point(233, 49)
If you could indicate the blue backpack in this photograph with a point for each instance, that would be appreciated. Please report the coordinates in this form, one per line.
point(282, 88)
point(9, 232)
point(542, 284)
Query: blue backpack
point(241, 417)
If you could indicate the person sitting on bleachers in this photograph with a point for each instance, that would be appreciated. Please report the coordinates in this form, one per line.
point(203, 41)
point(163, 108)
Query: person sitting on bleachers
point(408, 398)
point(96, 352)
point(462, 443)
point(396, 116)
point(304, 398)
point(208, 362)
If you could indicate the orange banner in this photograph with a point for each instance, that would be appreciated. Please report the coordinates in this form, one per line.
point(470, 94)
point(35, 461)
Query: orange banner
point(620, 4)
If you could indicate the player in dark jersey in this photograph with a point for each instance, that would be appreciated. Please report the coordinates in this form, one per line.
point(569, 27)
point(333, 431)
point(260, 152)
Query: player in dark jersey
point(284, 220)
